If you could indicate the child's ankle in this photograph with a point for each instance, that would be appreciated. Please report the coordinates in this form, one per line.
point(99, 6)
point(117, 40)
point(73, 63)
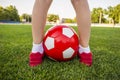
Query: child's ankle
point(37, 48)
point(84, 49)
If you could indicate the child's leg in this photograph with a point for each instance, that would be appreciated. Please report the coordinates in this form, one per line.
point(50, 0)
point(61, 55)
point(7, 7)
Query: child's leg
point(83, 20)
point(39, 15)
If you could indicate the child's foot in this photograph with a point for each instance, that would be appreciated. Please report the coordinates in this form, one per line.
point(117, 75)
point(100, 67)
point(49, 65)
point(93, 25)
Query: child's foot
point(86, 58)
point(85, 55)
point(35, 59)
point(36, 55)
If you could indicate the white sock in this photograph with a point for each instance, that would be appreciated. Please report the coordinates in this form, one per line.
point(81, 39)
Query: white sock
point(37, 48)
point(82, 49)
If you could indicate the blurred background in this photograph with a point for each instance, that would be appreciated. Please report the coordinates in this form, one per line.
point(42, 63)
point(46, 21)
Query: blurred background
point(102, 12)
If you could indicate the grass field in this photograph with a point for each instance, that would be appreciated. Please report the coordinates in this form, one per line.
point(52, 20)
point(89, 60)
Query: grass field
point(16, 43)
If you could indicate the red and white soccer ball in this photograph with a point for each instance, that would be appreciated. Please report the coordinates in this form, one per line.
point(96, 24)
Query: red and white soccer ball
point(61, 43)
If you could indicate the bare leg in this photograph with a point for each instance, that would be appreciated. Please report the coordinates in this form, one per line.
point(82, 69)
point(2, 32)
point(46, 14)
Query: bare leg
point(83, 20)
point(39, 14)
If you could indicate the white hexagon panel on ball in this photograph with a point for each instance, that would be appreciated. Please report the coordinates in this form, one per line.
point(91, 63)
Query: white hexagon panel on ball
point(67, 32)
point(68, 53)
point(49, 43)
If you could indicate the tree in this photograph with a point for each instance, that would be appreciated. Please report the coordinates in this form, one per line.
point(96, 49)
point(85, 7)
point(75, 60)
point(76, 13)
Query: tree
point(117, 13)
point(114, 13)
point(94, 16)
point(68, 20)
point(1, 12)
point(97, 15)
point(9, 13)
point(13, 13)
point(4, 13)
point(52, 18)
point(25, 17)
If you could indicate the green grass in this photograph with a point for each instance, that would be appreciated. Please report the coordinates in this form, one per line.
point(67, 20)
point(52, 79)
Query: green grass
point(16, 43)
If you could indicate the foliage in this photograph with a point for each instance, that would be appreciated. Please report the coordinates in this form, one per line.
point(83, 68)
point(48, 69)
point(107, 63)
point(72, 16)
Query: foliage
point(15, 48)
point(97, 15)
point(9, 13)
point(68, 20)
point(25, 17)
point(114, 13)
point(52, 17)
